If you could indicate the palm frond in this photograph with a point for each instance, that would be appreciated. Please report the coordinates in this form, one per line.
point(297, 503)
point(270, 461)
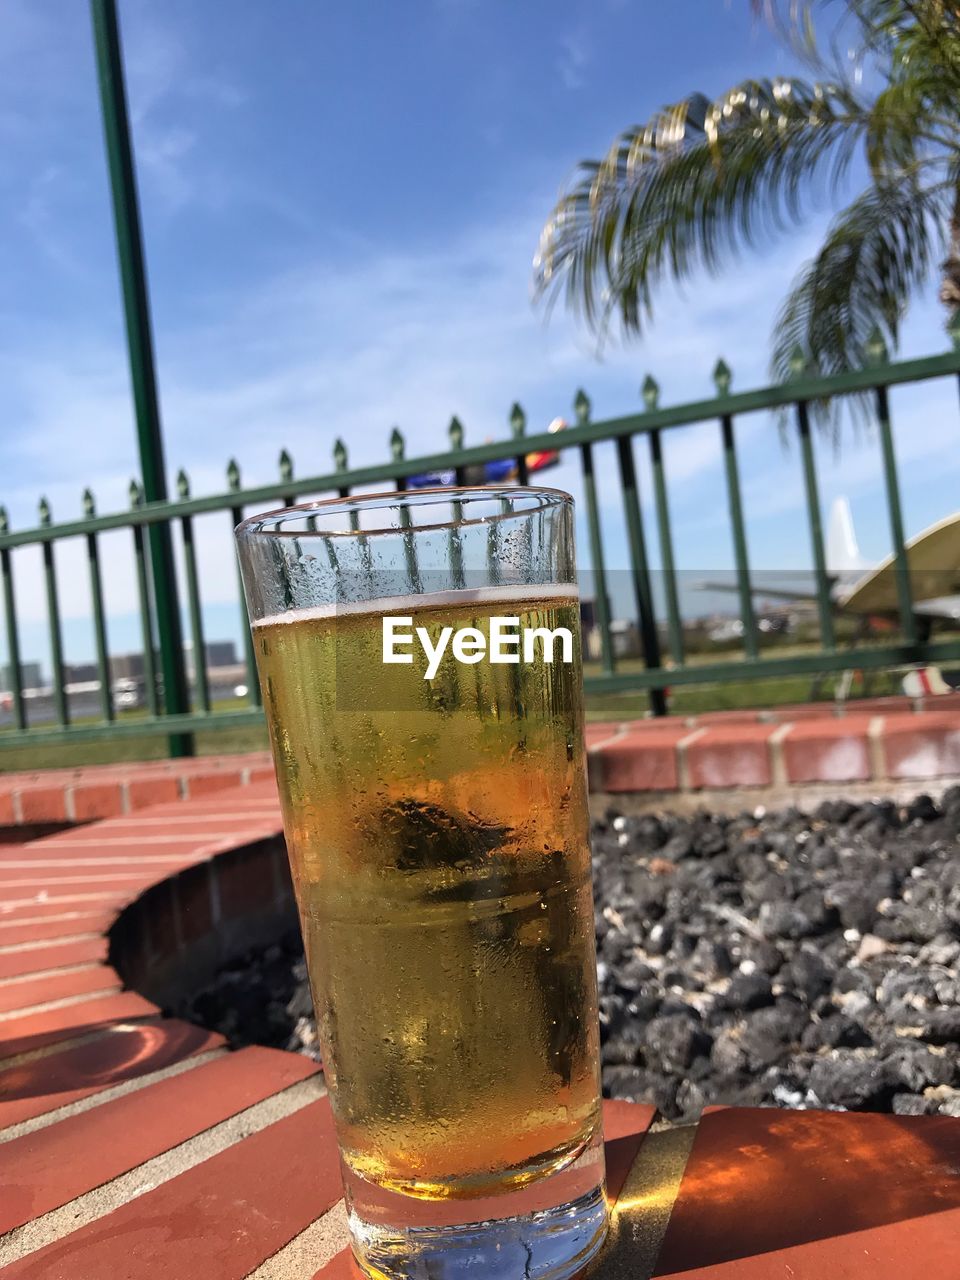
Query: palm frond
point(876, 254)
point(701, 180)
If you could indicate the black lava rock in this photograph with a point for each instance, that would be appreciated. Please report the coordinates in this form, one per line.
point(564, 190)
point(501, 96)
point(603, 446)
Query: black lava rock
point(760, 959)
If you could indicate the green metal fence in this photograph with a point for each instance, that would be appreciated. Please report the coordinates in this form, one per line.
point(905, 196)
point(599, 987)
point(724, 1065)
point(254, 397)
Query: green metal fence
point(643, 429)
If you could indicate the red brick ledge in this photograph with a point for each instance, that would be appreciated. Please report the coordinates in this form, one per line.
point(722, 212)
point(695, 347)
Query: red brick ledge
point(645, 756)
point(883, 740)
point(109, 790)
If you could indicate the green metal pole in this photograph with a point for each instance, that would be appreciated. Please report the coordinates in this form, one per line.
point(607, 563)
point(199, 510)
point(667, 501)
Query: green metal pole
point(908, 619)
point(13, 635)
point(140, 344)
point(596, 560)
point(640, 567)
point(824, 603)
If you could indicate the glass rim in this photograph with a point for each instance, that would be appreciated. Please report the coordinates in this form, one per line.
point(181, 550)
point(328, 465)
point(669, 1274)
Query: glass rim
point(540, 498)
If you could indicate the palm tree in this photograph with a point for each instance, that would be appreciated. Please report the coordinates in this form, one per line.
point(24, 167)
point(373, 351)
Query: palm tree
point(703, 179)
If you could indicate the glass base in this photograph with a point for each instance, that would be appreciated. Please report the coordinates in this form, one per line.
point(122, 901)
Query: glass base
point(548, 1230)
point(554, 1244)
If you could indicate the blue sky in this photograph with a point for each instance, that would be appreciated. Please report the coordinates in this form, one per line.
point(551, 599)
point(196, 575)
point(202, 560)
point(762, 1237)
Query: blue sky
point(341, 204)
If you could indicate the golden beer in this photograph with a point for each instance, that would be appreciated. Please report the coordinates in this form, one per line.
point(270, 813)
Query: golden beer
point(437, 833)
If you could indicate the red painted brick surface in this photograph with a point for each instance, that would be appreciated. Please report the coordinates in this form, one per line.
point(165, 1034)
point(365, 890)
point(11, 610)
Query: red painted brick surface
point(44, 803)
point(24, 992)
point(642, 760)
point(828, 750)
point(90, 800)
point(146, 791)
point(36, 959)
point(124, 1053)
point(217, 1221)
point(246, 884)
point(59, 1163)
point(7, 816)
point(202, 784)
point(815, 1195)
point(922, 747)
point(12, 931)
point(34, 1030)
point(731, 756)
point(195, 906)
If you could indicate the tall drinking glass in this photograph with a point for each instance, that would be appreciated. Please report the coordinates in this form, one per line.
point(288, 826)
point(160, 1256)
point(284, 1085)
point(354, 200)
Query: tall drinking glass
point(419, 656)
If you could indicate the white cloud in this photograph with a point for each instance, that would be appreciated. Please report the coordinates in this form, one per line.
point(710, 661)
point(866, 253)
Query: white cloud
point(573, 59)
point(353, 347)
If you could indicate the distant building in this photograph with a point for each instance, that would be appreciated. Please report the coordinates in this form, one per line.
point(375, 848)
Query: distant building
point(126, 666)
point(218, 653)
point(81, 672)
point(31, 676)
point(221, 653)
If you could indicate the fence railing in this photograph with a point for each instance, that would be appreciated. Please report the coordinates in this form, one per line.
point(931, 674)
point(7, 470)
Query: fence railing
point(643, 428)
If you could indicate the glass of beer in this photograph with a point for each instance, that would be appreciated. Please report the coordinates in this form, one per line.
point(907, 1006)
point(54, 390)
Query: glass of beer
point(420, 660)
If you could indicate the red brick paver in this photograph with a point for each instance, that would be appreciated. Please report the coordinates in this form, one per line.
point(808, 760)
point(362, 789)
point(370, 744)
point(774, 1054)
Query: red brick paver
point(114, 1054)
point(815, 1195)
point(217, 1221)
point(59, 1163)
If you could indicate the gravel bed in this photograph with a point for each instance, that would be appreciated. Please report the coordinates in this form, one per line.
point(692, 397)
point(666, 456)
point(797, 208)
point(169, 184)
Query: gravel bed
point(783, 958)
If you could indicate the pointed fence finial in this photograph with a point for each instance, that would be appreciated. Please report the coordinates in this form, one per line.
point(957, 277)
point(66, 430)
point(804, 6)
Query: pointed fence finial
point(285, 462)
point(233, 475)
point(797, 362)
point(89, 505)
point(136, 493)
point(876, 348)
point(518, 420)
point(722, 377)
point(44, 509)
point(396, 444)
point(581, 407)
point(339, 454)
point(455, 431)
point(183, 484)
point(650, 392)
point(953, 328)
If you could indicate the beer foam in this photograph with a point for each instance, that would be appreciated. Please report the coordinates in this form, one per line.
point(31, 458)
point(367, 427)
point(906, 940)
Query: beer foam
point(527, 593)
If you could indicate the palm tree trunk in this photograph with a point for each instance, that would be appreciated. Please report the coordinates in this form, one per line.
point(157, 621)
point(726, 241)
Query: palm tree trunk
point(950, 284)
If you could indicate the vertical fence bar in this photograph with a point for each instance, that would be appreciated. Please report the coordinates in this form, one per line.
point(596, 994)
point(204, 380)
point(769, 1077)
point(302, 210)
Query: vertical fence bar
point(908, 621)
point(13, 634)
point(953, 329)
point(250, 660)
point(638, 556)
point(455, 432)
point(99, 618)
point(596, 560)
point(581, 407)
point(815, 520)
point(722, 377)
point(286, 475)
point(123, 185)
point(201, 686)
point(286, 466)
point(397, 450)
point(651, 395)
point(518, 428)
point(876, 356)
point(674, 623)
point(146, 617)
point(60, 705)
